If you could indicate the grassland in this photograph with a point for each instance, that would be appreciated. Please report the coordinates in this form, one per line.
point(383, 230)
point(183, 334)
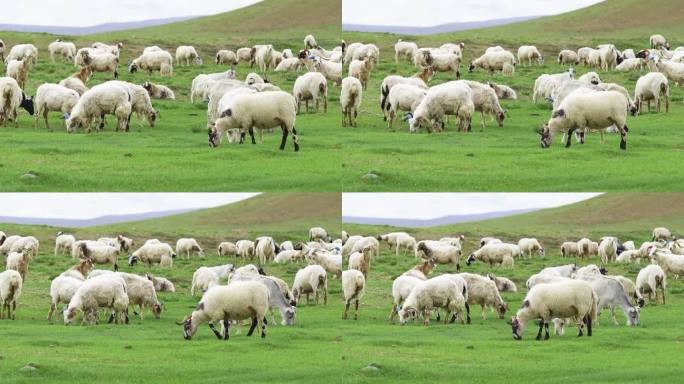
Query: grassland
point(510, 158)
point(175, 156)
point(323, 347)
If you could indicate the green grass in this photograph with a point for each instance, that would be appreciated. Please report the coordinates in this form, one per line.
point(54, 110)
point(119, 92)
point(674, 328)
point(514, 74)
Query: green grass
point(321, 346)
point(175, 156)
point(510, 158)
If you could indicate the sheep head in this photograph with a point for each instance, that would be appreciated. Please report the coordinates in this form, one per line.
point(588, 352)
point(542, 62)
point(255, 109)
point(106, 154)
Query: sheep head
point(517, 327)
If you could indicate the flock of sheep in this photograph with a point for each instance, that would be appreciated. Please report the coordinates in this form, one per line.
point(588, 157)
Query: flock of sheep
point(579, 105)
point(235, 107)
point(559, 294)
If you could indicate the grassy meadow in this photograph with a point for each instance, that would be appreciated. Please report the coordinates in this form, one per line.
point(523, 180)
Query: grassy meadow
point(510, 158)
point(175, 155)
point(321, 346)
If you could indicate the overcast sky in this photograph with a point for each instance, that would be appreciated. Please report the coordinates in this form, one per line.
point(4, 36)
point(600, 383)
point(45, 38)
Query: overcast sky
point(85, 13)
point(92, 205)
point(425, 206)
point(428, 13)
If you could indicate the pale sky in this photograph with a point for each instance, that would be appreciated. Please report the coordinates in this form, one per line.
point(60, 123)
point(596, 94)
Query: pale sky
point(425, 206)
point(82, 206)
point(85, 13)
point(428, 13)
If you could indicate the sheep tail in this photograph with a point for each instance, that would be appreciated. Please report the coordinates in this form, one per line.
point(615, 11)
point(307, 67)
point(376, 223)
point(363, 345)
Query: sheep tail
point(385, 93)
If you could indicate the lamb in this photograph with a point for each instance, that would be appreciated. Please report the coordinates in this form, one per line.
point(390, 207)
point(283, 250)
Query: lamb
point(225, 56)
point(158, 91)
point(628, 256)
point(62, 290)
point(11, 283)
point(311, 86)
point(75, 84)
point(189, 247)
point(102, 99)
point(19, 70)
point(673, 71)
point(529, 245)
point(186, 54)
point(670, 263)
point(265, 249)
point(153, 61)
point(291, 64)
point(633, 64)
point(63, 243)
point(503, 284)
point(486, 102)
point(153, 253)
point(99, 254)
point(65, 50)
point(353, 286)
point(310, 280)
point(658, 42)
point(404, 49)
point(661, 233)
point(227, 248)
point(493, 254)
point(330, 262)
point(21, 52)
point(568, 57)
point(245, 249)
point(262, 110)
point(105, 291)
point(361, 261)
point(450, 98)
point(332, 71)
point(650, 280)
point(483, 291)
point(493, 61)
point(433, 294)
point(140, 102)
point(567, 299)
point(288, 256)
point(203, 279)
point(590, 78)
point(161, 284)
point(594, 110)
point(351, 96)
point(545, 85)
point(236, 301)
point(529, 53)
point(54, 97)
point(446, 254)
point(361, 70)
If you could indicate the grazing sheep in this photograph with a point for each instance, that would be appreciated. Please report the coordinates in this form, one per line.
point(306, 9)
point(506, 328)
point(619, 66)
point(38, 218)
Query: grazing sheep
point(583, 55)
point(587, 248)
point(225, 56)
point(446, 62)
point(498, 254)
point(332, 263)
point(608, 249)
point(99, 61)
point(351, 96)
point(263, 57)
point(310, 280)
point(318, 233)
point(483, 291)
point(263, 110)
point(658, 42)
point(503, 91)
point(486, 102)
point(245, 54)
point(650, 280)
point(445, 254)
point(186, 54)
point(672, 70)
point(361, 70)
point(590, 78)
point(245, 249)
point(493, 61)
point(54, 97)
point(288, 256)
point(404, 49)
point(527, 54)
point(63, 243)
point(19, 70)
point(361, 260)
point(609, 56)
point(503, 284)
point(279, 296)
point(530, 245)
point(203, 279)
point(332, 71)
point(62, 290)
point(227, 248)
point(106, 98)
point(573, 299)
point(592, 110)
point(200, 88)
point(265, 249)
point(292, 64)
point(64, 49)
point(628, 256)
point(237, 301)
point(153, 61)
point(99, 254)
point(21, 52)
point(407, 242)
point(158, 91)
point(189, 247)
point(633, 64)
point(104, 291)
point(670, 263)
point(310, 42)
point(75, 84)
point(153, 253)
point(161, 284)
point(120, 242)
point(18, 261)
point(141, 104)
point(568, 57)
point(311, 86)
point(11, 98)
point(434, 294)
point(353, 286)
point(11, 283)
point(562, 270)
point(611, 294)
point(661, 233)
point(450, 98)
point(366, 52)
point(545, 85)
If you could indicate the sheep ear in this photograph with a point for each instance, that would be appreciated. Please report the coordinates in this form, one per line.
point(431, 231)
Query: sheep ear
point(227, 113)
point(525, 304)
point(558, 113)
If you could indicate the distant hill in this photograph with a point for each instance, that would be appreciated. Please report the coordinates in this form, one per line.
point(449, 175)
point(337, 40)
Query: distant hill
point(442, 28)
point(101, 28)
point(101, 220)
point(444, 220)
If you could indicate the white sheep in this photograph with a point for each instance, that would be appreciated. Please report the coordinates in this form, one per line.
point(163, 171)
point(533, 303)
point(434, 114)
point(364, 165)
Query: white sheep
point(650, 280)
point(310, 42)
point(105, 291)
point(608, 249)
point(98, 61)
point(19, 70)
point(588, 110)
point(200, 88)
point(483, 291)
point(503, 284)
point(54, 97)
point(401, 288)
point(503, 91)
point(403, 97)
point(568, 57)
point(159, 91)
point(101, 99)
point(318, 233)
point(311, 86)
point(573, 299)
point(486, 102)
point(633, 64)
point(493, 254)
point(353, 286)
point(245, 249)
point(11, 98)
point(404, 49)
point(263, 110)
point(26, 244)
point(244, 54)
point(661, 233)
point(141, 104)
point(225, 56)
point(527, 54)
point(99, 254)
point(11, 283)
point(64, 49)
point(545, 85)
point(652, 86)
point(23, 51)
point(161, 284)
point(670, 263)
point(672, 70)
point(368, 52)
point(590, 78)
point(658, 41)
point(446, 62)
point(530, 245)
point(419, 80)
point(493, 61)
point(114, 49)
point(361, 70)
point(263, 57)
point(444, 254)
point(62, 290)
point(265, 249)
point(75, 84)
point(63, 243)
point(332, 71)
point(291, 64)
point(186, 54)
point(433, 294)
point(609, 56)
point(288, 256)
point(332, 263)
point(161, 61)
point(203, 279)
point(227, 248)
point(188, 247)
point(562, 270)
point(120, 242)
point(450, 98)
point(308, 280)
point(153, 253)
point(351, 95)
point(361, 260)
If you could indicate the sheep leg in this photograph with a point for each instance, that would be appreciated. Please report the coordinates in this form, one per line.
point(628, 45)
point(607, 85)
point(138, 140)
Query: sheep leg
point(541, 327)
point(308, 301)
point(263, 325)
point(346, 309)
point(325, 296)
point(649, 106)
point(142, 312)
point(295, 141)
point(484, 312)
point(467, 306)
point(226, 329)
point(483, 120)
point(216, 332)
point(569, 140)
point(53, 308)
point(251, 134)
point(307, 105)
point(612, 316)
point(623, 138)
point(356, 309)
point(253, 326)
point(589, 325)
point(325, 104)
point(426, 317)
point(393, 313)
